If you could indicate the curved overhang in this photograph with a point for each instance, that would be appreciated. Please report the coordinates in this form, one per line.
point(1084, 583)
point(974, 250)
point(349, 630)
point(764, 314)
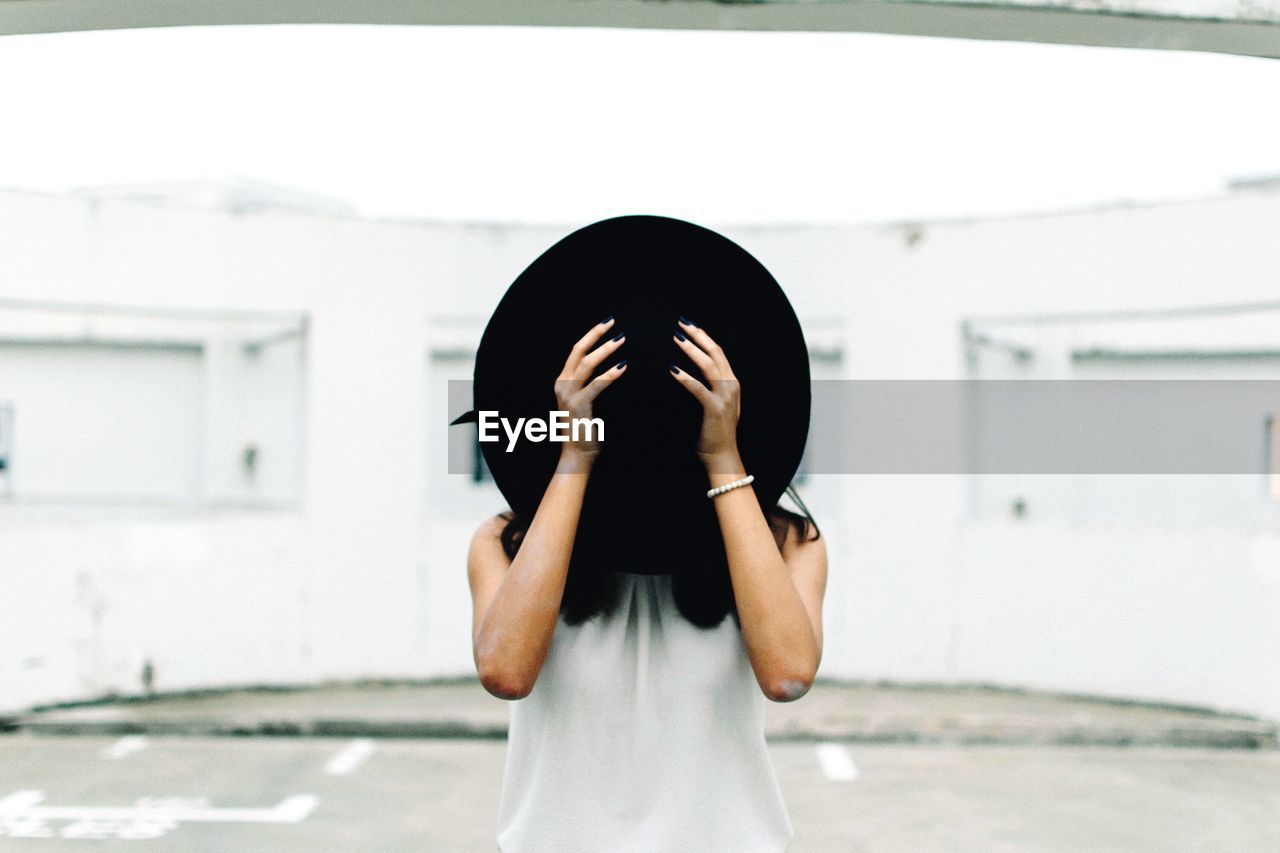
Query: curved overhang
point(1248, 27)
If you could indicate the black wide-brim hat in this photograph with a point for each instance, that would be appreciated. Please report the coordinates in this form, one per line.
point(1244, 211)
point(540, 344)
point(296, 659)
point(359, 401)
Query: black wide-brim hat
point(645, 510)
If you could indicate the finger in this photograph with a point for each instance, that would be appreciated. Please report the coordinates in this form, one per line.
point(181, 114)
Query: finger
point(692, 385)
point(599, 356)
point(604, 380)
point(697, 356)
point(708, 345)
point(584, 345)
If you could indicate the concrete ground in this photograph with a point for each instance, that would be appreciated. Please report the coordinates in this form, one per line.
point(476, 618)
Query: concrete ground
point(196, 794)
point(854, 712)
point(417, 767)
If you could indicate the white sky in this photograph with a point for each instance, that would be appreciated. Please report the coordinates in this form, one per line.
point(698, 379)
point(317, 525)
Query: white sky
point(574, 124)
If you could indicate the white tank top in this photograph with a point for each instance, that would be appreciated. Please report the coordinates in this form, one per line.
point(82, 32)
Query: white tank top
point(643, 734)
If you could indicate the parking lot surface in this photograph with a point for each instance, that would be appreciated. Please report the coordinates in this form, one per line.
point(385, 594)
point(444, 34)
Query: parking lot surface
point(192, 794)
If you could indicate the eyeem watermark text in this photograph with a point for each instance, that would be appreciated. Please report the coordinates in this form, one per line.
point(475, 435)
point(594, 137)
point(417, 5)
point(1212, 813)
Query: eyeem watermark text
point(560, 427)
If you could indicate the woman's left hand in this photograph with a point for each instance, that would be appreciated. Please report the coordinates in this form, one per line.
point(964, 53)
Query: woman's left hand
point(721, 403)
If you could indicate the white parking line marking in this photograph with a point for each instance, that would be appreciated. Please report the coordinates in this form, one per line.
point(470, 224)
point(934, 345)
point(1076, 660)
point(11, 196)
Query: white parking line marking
point(125, 747)
point(837, 764)
point(19, 800)
point(295, 809)
point(352, 756)
point(149, 817)
point(290, 810)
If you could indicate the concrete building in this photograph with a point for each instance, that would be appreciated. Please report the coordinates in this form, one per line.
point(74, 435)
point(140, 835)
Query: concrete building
point(226, 461)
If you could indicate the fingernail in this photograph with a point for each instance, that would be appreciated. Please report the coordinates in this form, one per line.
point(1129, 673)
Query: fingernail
point(685, 320)
point(619, 336)
point(606, 319)
point(621, 364)
point(674, 369)
point(679, 337)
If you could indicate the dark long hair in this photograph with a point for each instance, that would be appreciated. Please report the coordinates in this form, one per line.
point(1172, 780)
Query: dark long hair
point(704, 598)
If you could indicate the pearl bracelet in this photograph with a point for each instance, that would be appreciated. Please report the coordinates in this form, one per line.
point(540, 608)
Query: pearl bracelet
point(720, 490)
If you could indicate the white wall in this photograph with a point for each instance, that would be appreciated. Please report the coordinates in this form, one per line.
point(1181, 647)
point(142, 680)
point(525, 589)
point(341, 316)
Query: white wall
point(368, 578)
point(116, 405)
point(137, 413)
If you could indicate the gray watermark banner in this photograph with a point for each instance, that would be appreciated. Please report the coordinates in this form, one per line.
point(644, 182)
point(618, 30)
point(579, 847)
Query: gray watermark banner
point(982, 426)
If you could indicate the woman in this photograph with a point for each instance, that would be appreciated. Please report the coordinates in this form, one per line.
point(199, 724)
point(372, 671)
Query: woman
point(636, 729)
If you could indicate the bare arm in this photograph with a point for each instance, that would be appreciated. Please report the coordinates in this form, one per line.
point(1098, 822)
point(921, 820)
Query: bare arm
point(515, 603)
point(778, 592)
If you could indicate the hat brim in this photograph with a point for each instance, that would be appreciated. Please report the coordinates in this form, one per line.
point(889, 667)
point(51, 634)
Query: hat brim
point(646, 509)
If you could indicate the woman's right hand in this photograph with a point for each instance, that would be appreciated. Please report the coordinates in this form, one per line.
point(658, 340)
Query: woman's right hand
point(576, 391)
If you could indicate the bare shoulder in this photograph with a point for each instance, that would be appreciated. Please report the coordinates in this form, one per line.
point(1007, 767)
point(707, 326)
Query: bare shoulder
point(487, 560)
point(797, 537)
point(804, 548)
point(490, 528)
point(487, 539)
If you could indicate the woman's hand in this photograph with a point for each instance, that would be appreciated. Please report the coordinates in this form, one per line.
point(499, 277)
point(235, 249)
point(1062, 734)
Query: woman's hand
point(576, 390)
point(721, 403)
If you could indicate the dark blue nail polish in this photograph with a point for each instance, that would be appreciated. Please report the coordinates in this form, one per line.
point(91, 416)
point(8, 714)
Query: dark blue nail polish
point(606, 319)
point(686, 320)
point(679, 337)
point(674, 369)
point(621, 364)
point(618, 336)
